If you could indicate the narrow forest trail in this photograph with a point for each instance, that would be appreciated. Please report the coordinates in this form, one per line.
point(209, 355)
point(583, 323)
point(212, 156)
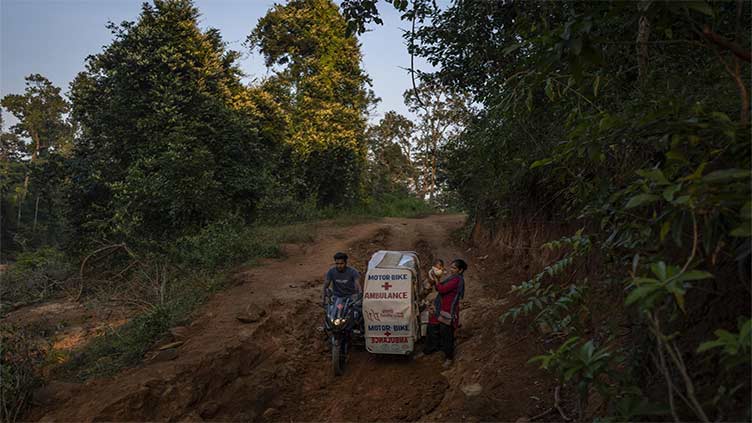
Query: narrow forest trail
point(278, 368)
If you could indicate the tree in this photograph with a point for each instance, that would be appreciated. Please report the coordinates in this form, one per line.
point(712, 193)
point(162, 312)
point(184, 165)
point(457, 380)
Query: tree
point(40, 111)
point(11, 146)
point(323, 89)
point(170, 138)
point(441, 117)
point(630, 119)
point(41, 114)
point(390, 149)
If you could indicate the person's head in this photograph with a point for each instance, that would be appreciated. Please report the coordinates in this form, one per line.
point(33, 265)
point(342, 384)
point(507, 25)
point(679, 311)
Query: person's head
point(438, 263)
point(458, 267)
point(340, 260)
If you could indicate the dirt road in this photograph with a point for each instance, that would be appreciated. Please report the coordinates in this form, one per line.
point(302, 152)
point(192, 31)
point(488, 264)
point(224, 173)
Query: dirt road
point(278, 368)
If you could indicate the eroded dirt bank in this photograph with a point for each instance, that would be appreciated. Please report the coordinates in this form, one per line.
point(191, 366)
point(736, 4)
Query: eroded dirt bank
point(277, 368)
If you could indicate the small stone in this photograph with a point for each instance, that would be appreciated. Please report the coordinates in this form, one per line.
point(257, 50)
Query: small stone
point(209, 409)
point(472, 390)
point(165, 355)
point(252, 314)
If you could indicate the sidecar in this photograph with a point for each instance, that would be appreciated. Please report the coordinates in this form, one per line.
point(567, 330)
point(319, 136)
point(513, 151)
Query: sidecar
point(391, 298)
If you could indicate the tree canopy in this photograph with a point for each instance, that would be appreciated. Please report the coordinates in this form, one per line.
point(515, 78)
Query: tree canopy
point(324, 92)
point(170, 138)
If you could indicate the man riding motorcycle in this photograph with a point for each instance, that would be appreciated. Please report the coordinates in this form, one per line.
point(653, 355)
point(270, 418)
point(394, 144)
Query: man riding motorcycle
point(345, 282)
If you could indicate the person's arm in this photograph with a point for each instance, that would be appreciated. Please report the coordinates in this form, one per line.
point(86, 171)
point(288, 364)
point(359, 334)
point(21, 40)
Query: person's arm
point(357, 282)
point(327, 282)
point(449, 286)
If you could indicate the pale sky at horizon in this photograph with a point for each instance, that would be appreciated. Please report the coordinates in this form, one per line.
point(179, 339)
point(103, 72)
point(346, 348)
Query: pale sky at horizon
point(54, 37)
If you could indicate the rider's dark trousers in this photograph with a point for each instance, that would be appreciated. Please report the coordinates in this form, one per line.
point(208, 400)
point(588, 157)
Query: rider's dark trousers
point(440, 337)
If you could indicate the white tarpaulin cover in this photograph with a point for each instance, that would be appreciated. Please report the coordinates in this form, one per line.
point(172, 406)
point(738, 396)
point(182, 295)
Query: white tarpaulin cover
point(389, 302)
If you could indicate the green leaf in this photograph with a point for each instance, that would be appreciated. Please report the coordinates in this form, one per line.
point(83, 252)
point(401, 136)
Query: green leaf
point(696, 174)
point(695, 275)
point(670, 191)
point(655, 175)
point(678, 296)
point(659, 269)
point(710, 344)
point(726, 175)
point(549, 89)
point(664, 229)
point(596, 85)
point(641, 281)
point(684, 199)
point(743, 231)
point(571, 372)
point(541, 162)
point(587, 349)
point(640, 292)
point(641, 199)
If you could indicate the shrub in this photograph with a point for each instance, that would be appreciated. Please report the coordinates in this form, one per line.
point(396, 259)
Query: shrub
point(18, 359)
point(35, 275)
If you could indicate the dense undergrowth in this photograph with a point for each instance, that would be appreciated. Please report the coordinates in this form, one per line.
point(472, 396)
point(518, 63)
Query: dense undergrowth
point(629, 121)
point(627, 124)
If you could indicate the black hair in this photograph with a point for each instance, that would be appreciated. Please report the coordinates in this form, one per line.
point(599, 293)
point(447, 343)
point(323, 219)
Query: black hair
point(461, 265)
point(438, 261)
point(340, 256)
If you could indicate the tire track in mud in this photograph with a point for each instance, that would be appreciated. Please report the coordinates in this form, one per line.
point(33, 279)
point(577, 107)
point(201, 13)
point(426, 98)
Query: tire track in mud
point(374, 387)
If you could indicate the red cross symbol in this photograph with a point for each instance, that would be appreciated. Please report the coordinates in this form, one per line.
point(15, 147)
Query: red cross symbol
point(387, 333)
point(386, 286)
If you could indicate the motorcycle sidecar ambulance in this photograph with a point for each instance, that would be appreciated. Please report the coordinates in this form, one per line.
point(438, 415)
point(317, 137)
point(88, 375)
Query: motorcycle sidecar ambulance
point(391, 296)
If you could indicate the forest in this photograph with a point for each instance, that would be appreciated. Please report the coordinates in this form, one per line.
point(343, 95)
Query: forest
point(605, 144)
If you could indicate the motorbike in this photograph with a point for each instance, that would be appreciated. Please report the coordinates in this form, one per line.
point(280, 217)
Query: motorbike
point(342, 323)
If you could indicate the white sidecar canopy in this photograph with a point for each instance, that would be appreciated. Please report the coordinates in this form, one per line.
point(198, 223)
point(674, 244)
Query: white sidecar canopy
point(390, 302)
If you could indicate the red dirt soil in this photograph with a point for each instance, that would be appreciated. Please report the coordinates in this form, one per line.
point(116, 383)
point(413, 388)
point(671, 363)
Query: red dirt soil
point(278, 369)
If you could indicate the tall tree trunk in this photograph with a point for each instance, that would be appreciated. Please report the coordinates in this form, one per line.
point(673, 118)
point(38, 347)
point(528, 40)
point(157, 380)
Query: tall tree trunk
point(433, 175)
point(36, 213)
point(19, 201)
point(34, 154)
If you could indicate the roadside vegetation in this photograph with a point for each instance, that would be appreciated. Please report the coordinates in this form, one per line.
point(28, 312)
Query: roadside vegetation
point(624, 125)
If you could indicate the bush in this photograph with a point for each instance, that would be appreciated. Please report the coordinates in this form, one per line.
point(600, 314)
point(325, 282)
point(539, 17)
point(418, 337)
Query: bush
point(35, 275)
point(221, 244)
point(125, 346)
point(18, 359)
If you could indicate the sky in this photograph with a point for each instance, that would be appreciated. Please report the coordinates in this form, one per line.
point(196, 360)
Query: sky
point(54, 37)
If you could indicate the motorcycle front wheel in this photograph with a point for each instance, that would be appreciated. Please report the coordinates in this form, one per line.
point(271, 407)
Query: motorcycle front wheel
point(339, 356)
